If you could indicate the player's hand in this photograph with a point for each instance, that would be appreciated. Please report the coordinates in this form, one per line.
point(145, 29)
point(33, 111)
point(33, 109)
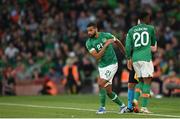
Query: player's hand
point(109, 42)
point(129, 64)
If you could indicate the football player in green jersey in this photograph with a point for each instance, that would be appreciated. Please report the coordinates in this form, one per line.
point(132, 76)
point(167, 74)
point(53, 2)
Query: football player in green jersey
point(141, 41)
point(100, 46)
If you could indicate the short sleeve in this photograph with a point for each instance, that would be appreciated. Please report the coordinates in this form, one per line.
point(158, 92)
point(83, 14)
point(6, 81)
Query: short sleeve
point(110, 36)
point(89, 46)
point(128, 46)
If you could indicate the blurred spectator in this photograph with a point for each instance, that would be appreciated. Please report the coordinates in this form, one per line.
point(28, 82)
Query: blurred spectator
point(49, 87)
point(8, 82)
point(71, 74)
point(82, 21)
point(172, 84)
point(157, 75)
point(11, 51)
point(88, 74)
point(37, 35)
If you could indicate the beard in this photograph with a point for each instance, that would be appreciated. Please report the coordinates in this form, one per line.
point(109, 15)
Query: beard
point(92, 35)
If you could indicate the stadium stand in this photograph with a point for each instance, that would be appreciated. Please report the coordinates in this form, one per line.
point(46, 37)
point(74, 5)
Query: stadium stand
point(37, 37)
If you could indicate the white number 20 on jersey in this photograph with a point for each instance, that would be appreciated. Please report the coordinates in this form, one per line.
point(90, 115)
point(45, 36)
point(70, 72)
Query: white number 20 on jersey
point(139, 39)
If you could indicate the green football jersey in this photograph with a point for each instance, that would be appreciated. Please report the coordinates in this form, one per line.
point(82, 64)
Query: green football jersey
point(109, 56)
point(139, 40)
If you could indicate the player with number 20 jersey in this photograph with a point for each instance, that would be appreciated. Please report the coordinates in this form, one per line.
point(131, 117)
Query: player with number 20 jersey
point(139, 39)
point(140, 42)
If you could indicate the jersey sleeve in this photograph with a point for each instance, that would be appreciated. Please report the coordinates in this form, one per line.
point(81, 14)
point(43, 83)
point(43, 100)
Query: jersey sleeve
point(128, 45)
point(153, 40)
point(89, 46)
point(110, 36)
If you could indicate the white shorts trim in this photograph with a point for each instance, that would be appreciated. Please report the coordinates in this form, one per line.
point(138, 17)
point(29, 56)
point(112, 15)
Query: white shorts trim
point(108, 72)
point(143, 69)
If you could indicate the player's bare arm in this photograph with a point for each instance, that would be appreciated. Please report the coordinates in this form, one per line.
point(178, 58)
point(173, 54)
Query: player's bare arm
point(120, 45)
point(129, 64)
point(154, 48)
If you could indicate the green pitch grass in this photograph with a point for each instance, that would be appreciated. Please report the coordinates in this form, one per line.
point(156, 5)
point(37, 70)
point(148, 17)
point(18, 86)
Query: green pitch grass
point(79, 106)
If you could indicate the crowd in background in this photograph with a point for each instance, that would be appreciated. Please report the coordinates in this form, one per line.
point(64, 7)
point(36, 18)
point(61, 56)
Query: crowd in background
point(39, 38)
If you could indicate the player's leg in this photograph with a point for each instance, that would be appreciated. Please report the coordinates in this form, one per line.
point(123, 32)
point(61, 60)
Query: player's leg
point(138, 87)
point(138, 90)
point(112, 69)
point(145, 94)
point(114, 97)
point(147, 72)
point(131, 86)
point(102, 95)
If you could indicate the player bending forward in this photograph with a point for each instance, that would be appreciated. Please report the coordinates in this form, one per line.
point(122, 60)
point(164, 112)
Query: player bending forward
point(100, 46)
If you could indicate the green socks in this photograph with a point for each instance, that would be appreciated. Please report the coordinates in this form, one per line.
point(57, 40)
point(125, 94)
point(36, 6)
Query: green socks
point(102, 96)
point(115, 98)
point(145, 94)
point(138, 90)
point(145, 88)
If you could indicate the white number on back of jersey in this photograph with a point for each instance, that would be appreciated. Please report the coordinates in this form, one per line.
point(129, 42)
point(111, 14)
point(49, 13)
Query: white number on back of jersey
point(137, 36)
